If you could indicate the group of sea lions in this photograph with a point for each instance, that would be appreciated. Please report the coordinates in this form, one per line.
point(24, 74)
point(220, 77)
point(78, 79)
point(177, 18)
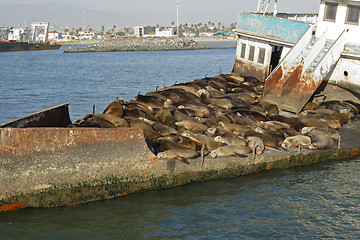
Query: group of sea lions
point(222, 116)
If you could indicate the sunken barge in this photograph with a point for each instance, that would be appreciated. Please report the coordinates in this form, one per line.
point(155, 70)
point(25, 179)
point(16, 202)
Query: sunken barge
point(294, 110)
point(204, 129)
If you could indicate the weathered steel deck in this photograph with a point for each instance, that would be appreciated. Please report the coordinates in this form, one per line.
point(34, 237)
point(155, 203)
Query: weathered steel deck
point(67, 166)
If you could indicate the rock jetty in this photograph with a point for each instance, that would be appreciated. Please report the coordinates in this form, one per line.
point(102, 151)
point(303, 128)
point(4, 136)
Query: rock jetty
point(145, 45)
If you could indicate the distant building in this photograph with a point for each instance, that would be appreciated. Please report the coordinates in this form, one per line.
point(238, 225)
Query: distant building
point(19, 34)
point(167, 32)
point(139, 31)
point(4, 32)
point(87, 35)
point(54, 35)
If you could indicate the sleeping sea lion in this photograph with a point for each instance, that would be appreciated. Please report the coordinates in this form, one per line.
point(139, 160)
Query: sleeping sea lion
point(180, 154)
point(115, 120)
point(221, 132)
point(230, 150)
point(230, 140)
point(192, 125)
point(334, 134)
point(320, 140)
point(161, 128)
point(166, 144)
point(202, 140)
point(295, 141)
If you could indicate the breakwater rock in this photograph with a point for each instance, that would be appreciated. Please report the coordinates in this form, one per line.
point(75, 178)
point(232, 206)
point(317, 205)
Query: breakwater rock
point(146, 45)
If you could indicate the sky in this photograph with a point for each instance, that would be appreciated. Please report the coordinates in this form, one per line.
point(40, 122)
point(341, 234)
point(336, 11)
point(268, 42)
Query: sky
point(142, 12)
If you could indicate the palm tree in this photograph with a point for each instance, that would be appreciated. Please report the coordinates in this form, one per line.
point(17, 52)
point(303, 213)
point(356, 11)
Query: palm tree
point(103, 31)
point(114, 30)
point(172, 23)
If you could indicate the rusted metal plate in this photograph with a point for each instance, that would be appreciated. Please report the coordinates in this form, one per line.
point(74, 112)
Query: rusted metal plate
point(250, 69)
point(23, 141)
point(57, 116)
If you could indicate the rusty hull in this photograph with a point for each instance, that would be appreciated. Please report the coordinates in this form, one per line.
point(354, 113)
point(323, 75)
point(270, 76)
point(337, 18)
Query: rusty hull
point(57, 116)
point(253, 70)
point(50, 167)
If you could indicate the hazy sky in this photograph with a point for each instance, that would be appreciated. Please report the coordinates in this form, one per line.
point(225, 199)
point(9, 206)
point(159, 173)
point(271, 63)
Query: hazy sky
point(190, 11)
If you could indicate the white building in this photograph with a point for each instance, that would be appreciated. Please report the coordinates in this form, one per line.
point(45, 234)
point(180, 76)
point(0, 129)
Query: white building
point(139, 31)
point(19, 34)
point(87, 35)
point(54, 35)
point(167, 32)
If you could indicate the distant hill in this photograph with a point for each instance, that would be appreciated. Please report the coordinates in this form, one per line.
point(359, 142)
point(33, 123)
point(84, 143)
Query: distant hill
point(59, 14)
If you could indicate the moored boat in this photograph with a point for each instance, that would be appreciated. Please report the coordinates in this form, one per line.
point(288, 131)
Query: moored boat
point(9, 46)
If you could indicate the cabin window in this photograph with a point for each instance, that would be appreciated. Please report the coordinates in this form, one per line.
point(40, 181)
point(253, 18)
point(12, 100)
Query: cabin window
point(251, 53)
point(330, 12)
point(352, 15)
point(261, 58)
point(243, 50)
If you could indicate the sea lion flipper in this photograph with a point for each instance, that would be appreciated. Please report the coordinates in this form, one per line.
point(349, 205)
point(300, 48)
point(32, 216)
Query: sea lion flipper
point(182, 159)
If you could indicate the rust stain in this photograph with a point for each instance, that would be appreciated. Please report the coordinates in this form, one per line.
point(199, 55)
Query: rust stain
point(354, 153)
point(20, 141)
point(11, 207)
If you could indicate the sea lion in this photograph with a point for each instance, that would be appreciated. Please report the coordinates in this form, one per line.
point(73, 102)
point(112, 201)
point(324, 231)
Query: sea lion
point(320, 140)
point(232, 126)
point(115, 120)
point(208, 122)
point(230, 140)
point(149, 131)
point(334, 134)
point(166, 144)
point(268, 141)
point(221, 132)
point(180, 154)
point(256, 144)
point(340, 107)
point(279, 138)
point(311, 106)
point(115, 108)
point(95, 122)
point(192, 125)
point(165, 116)
point(230, 150)
point(202, 140)
point(295, 141)
point(161, 128)
point(288, 132)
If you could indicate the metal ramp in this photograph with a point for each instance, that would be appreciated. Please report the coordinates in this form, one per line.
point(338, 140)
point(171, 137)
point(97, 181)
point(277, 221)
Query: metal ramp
point(296, 78)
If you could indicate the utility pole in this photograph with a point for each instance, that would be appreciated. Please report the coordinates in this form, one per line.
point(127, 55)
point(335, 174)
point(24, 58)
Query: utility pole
point(275, 8)
point(177, 18)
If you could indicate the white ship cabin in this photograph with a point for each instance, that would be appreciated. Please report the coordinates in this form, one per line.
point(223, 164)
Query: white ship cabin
point(294, 58)
point(263, 41)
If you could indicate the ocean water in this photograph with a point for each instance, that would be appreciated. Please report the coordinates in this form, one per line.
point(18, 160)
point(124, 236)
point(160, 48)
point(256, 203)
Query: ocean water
point(314, 202)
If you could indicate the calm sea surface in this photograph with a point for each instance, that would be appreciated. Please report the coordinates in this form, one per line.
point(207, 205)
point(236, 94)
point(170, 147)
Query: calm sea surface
point(316, 202)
